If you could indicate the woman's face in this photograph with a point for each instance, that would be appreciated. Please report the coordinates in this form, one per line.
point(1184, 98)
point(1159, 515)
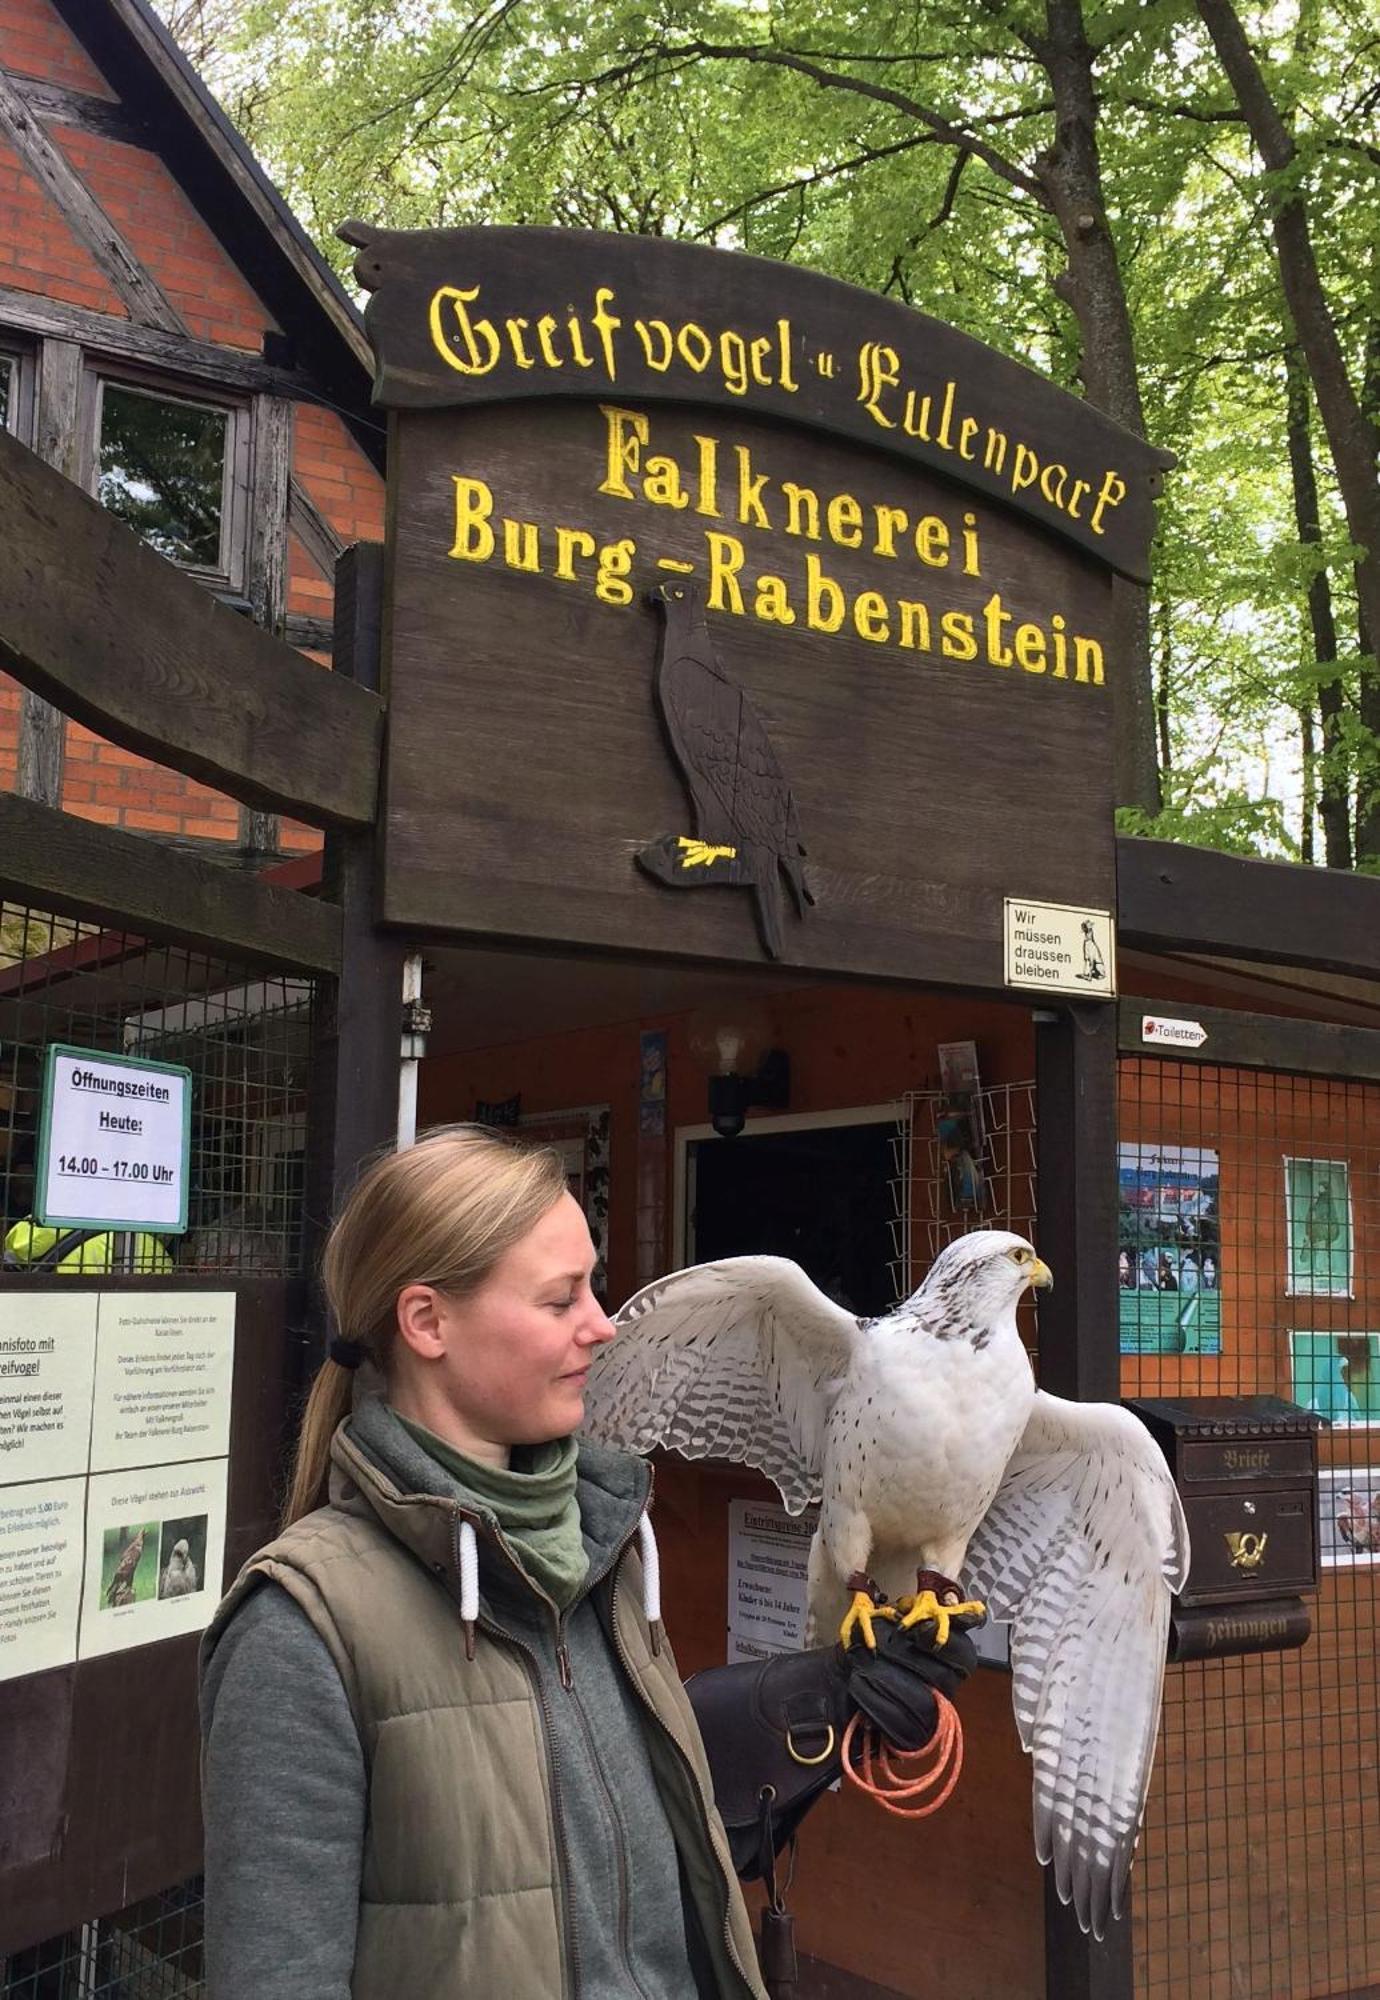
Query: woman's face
point(511, 1359)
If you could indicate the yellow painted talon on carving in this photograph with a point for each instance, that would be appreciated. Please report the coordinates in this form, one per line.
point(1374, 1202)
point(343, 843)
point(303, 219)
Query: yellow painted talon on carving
point(699, 853)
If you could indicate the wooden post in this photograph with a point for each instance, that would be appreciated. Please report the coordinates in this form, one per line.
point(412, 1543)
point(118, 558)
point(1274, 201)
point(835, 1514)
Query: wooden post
point(57, 439)
point(1076, 1233)
point(266, 578)
point(354, 1107)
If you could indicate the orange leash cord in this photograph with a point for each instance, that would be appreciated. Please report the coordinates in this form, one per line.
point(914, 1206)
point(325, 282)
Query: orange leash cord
point(901, 1780)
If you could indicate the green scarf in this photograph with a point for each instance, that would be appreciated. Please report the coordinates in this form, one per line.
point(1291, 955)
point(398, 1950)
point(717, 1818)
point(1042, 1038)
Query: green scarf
point(533, 1501)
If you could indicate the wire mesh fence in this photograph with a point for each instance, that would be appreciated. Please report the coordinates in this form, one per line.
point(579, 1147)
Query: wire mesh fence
point(244, 1035)
point(150, 1951)
point(1249, 1263)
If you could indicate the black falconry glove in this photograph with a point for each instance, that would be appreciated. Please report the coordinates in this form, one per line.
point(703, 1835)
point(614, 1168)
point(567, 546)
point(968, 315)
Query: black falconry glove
point(773, 1729)
point(895, 1686)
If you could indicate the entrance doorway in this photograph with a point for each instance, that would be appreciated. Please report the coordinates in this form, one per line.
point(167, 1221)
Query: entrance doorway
point(821, 1191)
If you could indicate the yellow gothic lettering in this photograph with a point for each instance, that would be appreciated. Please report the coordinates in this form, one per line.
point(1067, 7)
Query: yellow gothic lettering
point(474, 506)
point(726, 558)
point(626, 431)
point(825, 603)
point(870, 617)
point(772, 603)
point(448, 319)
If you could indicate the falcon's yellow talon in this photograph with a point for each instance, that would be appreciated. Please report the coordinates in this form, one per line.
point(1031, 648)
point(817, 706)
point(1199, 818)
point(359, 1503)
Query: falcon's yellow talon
point(925, 1605)
point(861, 1613)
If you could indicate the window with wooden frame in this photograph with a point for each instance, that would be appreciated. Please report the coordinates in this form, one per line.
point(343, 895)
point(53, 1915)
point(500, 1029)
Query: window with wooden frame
point(174, 466)
point(16, 391)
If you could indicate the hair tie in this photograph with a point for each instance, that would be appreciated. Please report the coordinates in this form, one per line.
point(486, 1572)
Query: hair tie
point(346, 1353)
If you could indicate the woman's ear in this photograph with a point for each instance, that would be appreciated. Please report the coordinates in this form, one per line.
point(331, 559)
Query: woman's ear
point(421, 1321)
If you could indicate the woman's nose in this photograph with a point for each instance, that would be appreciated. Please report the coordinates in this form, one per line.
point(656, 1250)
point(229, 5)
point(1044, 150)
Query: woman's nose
point(598, 1327)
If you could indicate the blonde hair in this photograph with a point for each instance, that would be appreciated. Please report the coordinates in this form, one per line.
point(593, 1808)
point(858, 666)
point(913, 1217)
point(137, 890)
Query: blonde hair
point(441, 1214)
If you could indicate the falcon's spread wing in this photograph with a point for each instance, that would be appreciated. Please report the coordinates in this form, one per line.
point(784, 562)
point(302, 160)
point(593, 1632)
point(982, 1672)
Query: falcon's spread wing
point(1086, 1535)
point(739, 1359)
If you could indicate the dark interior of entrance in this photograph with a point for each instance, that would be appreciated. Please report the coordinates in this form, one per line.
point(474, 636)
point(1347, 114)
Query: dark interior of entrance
point(823, 1197)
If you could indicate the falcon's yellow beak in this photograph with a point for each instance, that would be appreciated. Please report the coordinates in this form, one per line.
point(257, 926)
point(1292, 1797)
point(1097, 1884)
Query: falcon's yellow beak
point(1040, 1275)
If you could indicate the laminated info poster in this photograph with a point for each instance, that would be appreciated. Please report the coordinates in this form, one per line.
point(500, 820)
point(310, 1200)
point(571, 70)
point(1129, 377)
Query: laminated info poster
point(114, 1436)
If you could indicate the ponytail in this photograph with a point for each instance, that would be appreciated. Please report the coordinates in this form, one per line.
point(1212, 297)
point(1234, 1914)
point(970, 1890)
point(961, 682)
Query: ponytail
point(442, 1213)
point(326, 1409)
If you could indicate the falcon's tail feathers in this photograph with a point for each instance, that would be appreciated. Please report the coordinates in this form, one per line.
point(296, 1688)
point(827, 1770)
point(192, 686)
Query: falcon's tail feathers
point(766, 895)
point(793, 868)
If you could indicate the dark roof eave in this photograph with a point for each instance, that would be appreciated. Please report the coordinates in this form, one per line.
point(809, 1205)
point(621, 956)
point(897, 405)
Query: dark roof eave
point(1193, 899)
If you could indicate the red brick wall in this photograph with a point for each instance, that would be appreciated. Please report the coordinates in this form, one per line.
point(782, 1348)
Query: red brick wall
point(35, 43)
point(38, 253)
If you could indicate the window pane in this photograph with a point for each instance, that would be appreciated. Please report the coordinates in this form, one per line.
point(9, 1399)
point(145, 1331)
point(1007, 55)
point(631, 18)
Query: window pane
point(6, 390)
point(163, 472)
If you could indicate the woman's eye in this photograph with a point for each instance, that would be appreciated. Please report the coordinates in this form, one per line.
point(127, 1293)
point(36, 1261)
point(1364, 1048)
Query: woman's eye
point(562, 1305)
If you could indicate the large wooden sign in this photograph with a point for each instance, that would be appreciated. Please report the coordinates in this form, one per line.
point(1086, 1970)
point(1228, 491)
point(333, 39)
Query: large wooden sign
point(689, 653)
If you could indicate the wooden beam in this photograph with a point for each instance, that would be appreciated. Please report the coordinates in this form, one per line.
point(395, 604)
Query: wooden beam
point(1076, 1233)
point(1244, 1040)
point(354, 1075)
point(82, 213)
point(153, 347)
point(119, 639)
point(1174, 898)
point(314, 531)
point(313, 635)
point(59, 105)
point(132, 882)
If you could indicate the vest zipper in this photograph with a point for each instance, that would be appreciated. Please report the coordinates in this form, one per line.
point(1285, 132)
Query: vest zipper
point(724, 1861)
point(620, 1857)
point(570, 1939)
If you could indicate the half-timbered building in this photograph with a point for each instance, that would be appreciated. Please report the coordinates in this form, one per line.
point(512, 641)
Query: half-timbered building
point(171, 340)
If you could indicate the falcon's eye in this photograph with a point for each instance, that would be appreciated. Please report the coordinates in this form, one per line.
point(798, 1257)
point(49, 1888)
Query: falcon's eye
point(1019, 1256)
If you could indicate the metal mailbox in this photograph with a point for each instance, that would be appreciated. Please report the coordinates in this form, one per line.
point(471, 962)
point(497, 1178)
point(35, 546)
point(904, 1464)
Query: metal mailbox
point(1247, 1472)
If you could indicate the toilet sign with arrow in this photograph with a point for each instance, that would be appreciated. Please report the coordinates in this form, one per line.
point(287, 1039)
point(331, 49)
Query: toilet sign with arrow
point(1171, 1031)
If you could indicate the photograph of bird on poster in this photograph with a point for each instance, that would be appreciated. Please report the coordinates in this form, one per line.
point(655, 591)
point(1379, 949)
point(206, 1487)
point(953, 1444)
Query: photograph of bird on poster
point(1317, 1208)
point(129, 1565)
point(944, 1477)
point(1349, 1515)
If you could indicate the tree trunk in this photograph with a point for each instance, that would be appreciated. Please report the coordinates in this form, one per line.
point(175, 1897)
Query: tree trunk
point(1070, 173)
point(1331, 788)
point(1368, 635)
point(1309, 743)
point(1350, 435)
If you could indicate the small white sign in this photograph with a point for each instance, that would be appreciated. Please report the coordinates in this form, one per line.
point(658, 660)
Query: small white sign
point(114, 1143)
point(40, 1575)
point(1168, 1031)
point(1059, 948)
point(47, 1365)
point(768, 1551)
point(164, 1365)
point(155, 1555)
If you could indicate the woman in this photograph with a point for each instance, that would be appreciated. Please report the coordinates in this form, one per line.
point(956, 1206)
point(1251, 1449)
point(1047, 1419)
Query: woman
point(447, 1751)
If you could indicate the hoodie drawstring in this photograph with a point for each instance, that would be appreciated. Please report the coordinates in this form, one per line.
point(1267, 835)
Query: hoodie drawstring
point(469, 1581)
point(651, 1579)
point(469, 1584)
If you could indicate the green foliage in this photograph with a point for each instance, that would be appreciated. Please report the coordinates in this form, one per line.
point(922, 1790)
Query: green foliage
point(905, 149)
